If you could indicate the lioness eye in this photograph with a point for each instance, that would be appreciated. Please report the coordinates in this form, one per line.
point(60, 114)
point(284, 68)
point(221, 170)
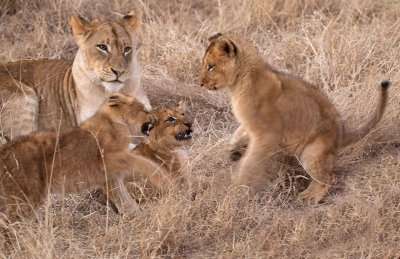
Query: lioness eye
point(210, 67)
point(171, 119)
point(102, 47)
point(127, 50)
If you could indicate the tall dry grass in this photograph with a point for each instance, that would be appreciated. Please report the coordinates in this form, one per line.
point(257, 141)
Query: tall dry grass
point(344, 47)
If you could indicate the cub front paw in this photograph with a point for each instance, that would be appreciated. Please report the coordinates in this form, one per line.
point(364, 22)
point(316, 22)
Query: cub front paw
point(237, 154)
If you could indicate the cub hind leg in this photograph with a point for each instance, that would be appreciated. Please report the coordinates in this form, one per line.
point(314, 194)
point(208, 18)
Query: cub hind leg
point(318, 159)
point(19, 107)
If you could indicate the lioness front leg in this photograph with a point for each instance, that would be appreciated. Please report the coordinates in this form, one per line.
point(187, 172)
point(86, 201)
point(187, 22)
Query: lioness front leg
point(238, 143)
point(253, 167)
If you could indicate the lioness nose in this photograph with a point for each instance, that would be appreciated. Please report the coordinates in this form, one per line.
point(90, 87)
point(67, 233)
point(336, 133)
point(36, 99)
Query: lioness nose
point(189, 124)
point(116, 72)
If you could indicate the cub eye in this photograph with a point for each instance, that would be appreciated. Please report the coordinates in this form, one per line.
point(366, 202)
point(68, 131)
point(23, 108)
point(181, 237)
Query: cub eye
point(210, 67)
point(171, 119)
point(102, 47)
point(127, 50)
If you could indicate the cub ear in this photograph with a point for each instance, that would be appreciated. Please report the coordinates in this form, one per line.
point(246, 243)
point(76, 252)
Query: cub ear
point(130, 21)
point(214, 37)
point(182, 106)
point(227, 47)
point(80, 28)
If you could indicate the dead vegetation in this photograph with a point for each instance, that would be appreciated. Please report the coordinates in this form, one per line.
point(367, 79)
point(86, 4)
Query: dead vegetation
point(344, 47)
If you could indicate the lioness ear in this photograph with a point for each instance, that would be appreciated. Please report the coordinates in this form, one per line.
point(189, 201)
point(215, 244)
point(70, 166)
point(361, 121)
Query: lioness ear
point(130, 21)
point(80, 28)
point(228, 47)
point(214, 37)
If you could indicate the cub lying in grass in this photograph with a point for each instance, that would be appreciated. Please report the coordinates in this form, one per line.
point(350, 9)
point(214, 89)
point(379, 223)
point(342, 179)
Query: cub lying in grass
point(171, 132)
point(33, 166)
point(278, 111)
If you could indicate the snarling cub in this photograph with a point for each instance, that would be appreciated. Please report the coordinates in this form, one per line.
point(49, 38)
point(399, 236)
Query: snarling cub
point(165, 147)
point(278, 112)
point(33, 166)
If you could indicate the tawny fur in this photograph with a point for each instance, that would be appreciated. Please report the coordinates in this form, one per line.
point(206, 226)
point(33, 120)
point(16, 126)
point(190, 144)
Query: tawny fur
point(278, 112)
point(33, 166)
point(165, 147)
point(37, 94)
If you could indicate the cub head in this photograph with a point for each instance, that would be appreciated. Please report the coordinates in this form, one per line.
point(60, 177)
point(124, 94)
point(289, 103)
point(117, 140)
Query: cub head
point(106, 49)
point(129, 111)
point(173, 127)
point(218, 68)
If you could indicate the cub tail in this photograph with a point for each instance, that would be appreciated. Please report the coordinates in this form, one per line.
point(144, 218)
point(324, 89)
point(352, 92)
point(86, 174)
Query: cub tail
point(352, 136)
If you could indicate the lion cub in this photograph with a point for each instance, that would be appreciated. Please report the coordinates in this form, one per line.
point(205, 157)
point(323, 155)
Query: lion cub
point(172, 131)
point(165, 144)
point(278, 112)
point(33, 166)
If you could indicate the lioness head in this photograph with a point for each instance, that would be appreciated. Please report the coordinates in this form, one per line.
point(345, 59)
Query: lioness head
point(219, 63)
point(106, 48)
point(173, 127)
point(127, 110)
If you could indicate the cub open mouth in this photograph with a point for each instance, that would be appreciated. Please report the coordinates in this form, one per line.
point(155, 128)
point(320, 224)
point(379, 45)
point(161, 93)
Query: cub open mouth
point(184, 135)
point(147, 127)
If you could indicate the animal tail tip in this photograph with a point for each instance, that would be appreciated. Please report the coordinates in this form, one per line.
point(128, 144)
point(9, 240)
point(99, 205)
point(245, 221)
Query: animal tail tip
point(385, 84)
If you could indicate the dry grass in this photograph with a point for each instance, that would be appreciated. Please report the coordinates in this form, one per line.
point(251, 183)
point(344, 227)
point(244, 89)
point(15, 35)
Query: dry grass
point(345, 47)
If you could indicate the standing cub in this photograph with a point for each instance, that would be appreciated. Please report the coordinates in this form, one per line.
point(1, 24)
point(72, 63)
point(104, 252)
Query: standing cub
point(165, 147)
point(33, 166)
point(278, 111)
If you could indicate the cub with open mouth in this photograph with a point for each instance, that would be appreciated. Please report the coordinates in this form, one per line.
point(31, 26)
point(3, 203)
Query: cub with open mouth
point(171, 132)
point(165, 144)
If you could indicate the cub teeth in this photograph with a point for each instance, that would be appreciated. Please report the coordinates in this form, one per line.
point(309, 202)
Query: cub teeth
point(184, 135)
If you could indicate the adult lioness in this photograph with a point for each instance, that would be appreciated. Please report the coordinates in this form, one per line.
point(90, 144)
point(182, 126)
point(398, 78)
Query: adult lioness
point(278, 111)
point(40, 163)
point(165, 144)
point(37, 94)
